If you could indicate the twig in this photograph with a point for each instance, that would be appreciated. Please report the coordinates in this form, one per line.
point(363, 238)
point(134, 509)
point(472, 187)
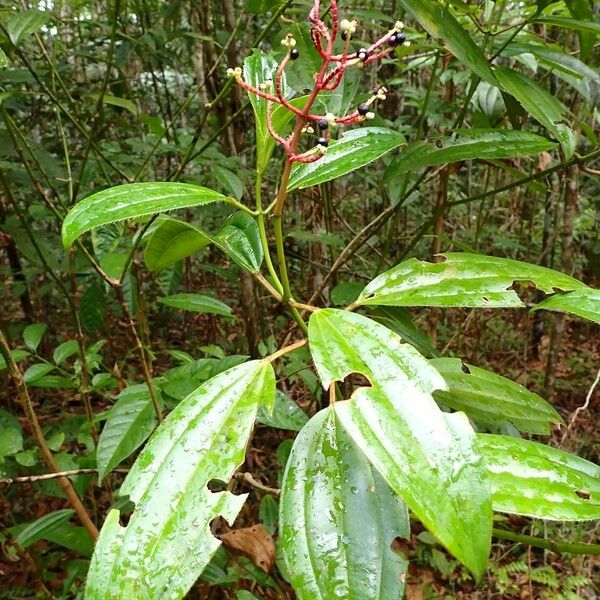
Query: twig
point(38, 434)
point(47, 476)
point(558, 547)
point(249, 479)
point(581, 408)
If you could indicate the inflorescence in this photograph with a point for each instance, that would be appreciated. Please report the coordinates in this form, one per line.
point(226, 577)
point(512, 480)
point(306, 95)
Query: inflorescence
point(329, 78)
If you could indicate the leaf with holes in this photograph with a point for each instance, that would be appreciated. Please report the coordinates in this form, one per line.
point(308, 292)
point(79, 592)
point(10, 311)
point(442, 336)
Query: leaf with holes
point(167, 541)
point(132, 201)
point(339, 518)
point(461, 280)
point(470, 144)
point(492, 399)
point(581, 303)
point(427, 457)
point(534, 480)
point(172, 241)
point(130, 421)
point(355, 149)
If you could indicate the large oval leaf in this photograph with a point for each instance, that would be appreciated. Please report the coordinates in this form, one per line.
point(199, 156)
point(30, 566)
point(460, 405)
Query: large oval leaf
point(427, 457)
point(492, 399)
point(582, 303)
point(338, 519)
point(167, 541)
point(132, 201)
point(440, 23)
point(239, 238)
point(130, 421)
point(535, 480)
point(540, 104)
point(172, 241)
point(461, 280)
point(471, 144)
point(355, 149)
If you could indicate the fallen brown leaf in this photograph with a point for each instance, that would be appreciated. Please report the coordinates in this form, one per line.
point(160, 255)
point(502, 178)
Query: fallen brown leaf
point(254, 542)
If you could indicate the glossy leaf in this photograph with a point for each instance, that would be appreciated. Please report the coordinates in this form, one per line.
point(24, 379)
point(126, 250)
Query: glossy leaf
point(581, 303)
point(286, 414)
point(132, 201)
point(25, 22)
point(130, 422)
point(259, 68)
point(172, 241)
point(167, 541)
point(200, 303)
point(38, 529)
point(540, 104)
point(427, 457)
point(461, 280)
point(338, 519)
point(355, 149)
point(3, 63)
point(534, 480)
point(471, 144)
point(33, 334)
point(239, 238)
point(492, 399)
point(440, 23)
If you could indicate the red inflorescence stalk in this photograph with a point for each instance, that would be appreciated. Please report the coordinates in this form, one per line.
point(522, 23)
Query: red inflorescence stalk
point(326, 80)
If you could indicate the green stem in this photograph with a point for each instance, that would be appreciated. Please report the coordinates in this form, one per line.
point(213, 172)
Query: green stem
point(558, 547)
point(263, 234)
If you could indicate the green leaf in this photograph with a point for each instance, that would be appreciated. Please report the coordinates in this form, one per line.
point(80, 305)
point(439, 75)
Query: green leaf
point(172, 241)
point(64, 351)
point(38, 529)
point(167, 541)
point(36, 371)
point(582, 303)
point(462, 280)
point(338, 519)
point(259, 68)
point(258, 7)
point(268, 513)
point(568, 23)
point(440, 23)
point(3, 62)
point(471, 144)
point(492, 399)
point(239, 238)
point(355, 149)
point(130, 421)
point(427, 457)
point(33, 334)
point(200, 303)
point(17, 355)
point(132, 201)
point(540, 104)
point(534, 480)
point(286, 414)
point(71, 537)
point(23, 23)
point(11, 437)
point(229, 180)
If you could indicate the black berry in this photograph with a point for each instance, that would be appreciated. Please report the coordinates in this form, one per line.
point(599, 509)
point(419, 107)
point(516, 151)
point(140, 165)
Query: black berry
point(323, 124)
point(396, 39)
point(294, 54)
point(345, 35)
point(363, 109)
point(322, 142)
point(363, 54)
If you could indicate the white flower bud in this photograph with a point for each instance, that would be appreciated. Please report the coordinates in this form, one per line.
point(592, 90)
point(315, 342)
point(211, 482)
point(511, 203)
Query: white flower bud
point(370, 116)
point(399, 26)
point(234, 73)
point(289, 41)
point(348, 26)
